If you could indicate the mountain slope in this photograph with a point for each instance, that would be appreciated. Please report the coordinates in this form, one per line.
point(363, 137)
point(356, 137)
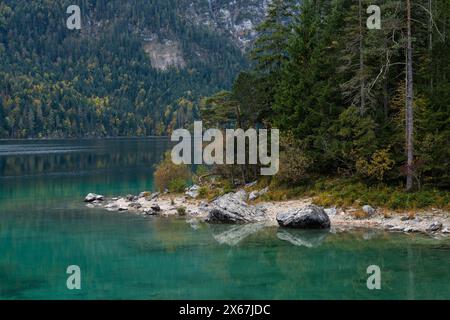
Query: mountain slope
point(135, 67)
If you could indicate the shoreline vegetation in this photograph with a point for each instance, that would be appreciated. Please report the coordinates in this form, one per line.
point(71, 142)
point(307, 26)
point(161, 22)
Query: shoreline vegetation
point(196, 209)
point(348, 205)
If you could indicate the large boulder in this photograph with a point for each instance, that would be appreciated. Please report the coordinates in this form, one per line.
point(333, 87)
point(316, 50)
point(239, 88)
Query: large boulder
point(232, 208)
point(310, 217)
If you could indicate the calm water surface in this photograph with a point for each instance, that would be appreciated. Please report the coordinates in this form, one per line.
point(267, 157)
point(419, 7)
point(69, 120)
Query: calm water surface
point(45, 227)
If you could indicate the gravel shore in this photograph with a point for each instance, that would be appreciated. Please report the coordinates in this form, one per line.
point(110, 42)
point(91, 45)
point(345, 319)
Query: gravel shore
point(436, 222)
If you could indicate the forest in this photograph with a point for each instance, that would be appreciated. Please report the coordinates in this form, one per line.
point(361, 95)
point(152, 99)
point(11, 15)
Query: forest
point(350, 101)
point(99, 81)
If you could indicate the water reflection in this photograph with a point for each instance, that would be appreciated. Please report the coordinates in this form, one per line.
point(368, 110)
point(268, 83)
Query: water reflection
point(303, 238)
point(44, 227)
point(110, 167)
point(65, 158)
point(234, 235)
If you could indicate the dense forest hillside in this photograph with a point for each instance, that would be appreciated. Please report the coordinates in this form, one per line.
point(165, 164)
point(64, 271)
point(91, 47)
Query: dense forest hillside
point(135, 67)
point(351, 101)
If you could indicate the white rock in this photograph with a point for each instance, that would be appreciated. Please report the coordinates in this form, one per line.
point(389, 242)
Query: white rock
point(369, 210)
point(193, 191)
point(253, 195)
point(91, 197)
point(251, 184)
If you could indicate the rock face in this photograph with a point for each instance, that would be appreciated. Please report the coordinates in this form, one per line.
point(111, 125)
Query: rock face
point(232, 208)
point(237, 18)
point(310, 217)
point(91, 197)
point(164, 55)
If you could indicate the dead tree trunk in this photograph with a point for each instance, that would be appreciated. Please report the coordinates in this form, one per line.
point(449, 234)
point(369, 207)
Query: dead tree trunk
point(361, 62)
point(409, 103)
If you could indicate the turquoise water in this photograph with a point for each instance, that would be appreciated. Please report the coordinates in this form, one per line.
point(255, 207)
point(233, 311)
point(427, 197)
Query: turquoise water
point(45, 227)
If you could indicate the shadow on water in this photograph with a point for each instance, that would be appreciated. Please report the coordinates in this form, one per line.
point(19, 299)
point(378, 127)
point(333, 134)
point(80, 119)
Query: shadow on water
point(15, 286)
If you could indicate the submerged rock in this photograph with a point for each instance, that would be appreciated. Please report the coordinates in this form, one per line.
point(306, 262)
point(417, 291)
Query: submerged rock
point(194, 223)
point(136, 205)
point(91, 197)
point(310, 217)
point(232, 208)
point(149, 212)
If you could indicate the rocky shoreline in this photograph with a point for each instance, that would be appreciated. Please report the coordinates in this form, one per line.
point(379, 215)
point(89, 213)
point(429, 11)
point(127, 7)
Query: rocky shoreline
point(239, 208)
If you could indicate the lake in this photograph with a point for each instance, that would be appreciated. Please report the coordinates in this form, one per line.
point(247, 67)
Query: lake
point(45, 227)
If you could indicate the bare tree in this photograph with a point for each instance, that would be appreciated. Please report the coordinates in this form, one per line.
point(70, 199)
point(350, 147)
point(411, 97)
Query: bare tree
point(361, 61)
point(409, 103)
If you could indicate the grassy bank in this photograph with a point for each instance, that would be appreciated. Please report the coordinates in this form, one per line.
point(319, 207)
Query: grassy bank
point(347, 193)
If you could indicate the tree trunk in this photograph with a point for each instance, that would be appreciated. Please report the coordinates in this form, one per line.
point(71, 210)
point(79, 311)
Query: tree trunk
point(361, 62)
point(409, 103)
point(430, 42)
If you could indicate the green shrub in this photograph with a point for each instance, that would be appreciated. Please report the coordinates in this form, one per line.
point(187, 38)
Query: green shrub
point(177, 185)
point(347, 192)
point(294, 164)
point(377, 167)
point(203, 192)
point(181, 211)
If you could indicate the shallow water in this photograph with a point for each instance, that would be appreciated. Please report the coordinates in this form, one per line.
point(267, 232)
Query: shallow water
point(45, 227)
